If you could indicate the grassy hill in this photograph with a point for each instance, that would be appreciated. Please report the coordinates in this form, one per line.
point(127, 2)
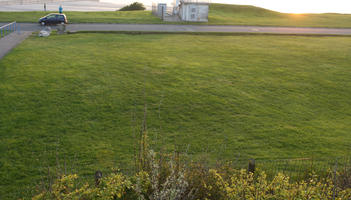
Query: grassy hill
point(77, 101)
point(220, 14)
point(251, 15)
point(130, 17)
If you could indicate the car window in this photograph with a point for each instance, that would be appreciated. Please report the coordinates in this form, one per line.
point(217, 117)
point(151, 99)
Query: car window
point(51, 17)
point(60, 17)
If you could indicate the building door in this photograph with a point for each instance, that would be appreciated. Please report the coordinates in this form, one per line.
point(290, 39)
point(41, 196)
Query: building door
point(193, 12)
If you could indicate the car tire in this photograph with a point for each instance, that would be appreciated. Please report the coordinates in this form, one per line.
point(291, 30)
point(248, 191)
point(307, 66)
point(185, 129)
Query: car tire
point(42, 23)
point(62, 22)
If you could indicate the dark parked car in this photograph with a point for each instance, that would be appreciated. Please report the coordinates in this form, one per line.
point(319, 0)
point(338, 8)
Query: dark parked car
point(53, 19)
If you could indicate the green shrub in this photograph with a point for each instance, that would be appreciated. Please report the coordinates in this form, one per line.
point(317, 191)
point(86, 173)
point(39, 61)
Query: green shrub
point(240, 185)
point(164, 177)
point(173, 180)
point(133, 6)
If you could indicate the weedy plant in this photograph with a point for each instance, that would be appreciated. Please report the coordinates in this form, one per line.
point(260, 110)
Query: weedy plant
point(163, 176)
point(184, 183)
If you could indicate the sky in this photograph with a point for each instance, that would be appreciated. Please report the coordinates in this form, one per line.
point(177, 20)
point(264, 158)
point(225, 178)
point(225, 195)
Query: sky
point(288, 6)
point(299, 6)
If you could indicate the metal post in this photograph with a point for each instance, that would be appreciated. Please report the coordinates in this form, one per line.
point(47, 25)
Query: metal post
point(98, 176)
point(252, 166)
point(335, 192)
point(163, 13)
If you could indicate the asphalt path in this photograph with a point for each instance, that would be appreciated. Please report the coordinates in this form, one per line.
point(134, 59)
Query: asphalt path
point(192, 28)
point(10, 41)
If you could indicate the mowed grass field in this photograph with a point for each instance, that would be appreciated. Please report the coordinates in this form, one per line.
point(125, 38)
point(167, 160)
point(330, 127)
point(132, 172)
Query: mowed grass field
point(225, 14)
point(80, 98)
point(127, 17)
point(220, 14)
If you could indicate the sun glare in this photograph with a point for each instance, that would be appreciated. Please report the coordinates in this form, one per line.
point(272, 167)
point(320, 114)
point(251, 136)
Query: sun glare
point(297, 6)
point(297, 14)
point(286, 6)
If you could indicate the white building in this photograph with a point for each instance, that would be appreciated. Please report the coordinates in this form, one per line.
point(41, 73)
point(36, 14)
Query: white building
point(194, 10)
point(183, 10)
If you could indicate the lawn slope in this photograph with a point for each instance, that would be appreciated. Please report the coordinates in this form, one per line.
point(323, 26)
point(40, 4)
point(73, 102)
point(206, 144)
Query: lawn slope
point(127, 17)
point(249, 15)
point(81, 98)
point(220, 14)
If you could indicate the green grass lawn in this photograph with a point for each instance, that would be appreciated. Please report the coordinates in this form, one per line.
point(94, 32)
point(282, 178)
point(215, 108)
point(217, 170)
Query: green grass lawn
point(129, 17)
point(73, 97)
point(250, 15)
point(220, 14)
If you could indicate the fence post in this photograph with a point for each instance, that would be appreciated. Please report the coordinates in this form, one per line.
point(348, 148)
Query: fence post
point(335, 180)
point(98, 176)
point(252, 166)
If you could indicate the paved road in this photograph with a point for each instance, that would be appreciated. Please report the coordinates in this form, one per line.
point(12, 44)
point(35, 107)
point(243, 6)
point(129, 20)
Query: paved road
point(193, 28)
point(10, 41)
point(38, 5)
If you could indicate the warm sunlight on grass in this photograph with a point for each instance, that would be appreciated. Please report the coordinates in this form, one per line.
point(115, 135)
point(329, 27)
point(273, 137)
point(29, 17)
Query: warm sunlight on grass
point(258, 96)
point(220, 14)
point(297, 14)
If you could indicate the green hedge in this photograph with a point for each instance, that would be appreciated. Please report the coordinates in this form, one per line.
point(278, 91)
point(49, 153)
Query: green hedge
point(133, 6)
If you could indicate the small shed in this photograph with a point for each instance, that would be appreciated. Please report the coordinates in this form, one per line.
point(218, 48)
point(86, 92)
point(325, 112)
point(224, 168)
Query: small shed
point(161, 9)
point(194, 10)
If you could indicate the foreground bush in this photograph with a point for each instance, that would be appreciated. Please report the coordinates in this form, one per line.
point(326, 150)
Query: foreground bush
point(133, 6)
point(164, 177)
point(159, 179)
